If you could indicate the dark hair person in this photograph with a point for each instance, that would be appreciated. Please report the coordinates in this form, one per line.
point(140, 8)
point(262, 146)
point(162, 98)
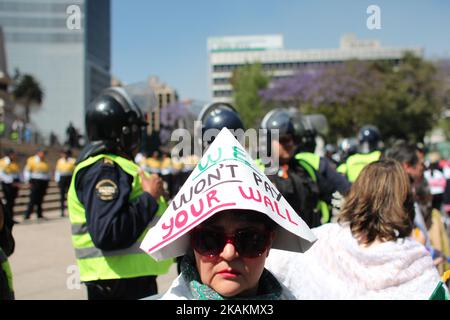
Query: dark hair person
point(369, 253)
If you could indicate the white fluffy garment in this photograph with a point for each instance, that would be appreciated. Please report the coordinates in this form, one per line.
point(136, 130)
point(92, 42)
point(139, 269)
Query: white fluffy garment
point(336, 267)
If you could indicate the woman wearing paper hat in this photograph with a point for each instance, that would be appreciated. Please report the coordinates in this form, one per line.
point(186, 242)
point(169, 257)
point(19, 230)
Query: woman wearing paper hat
point(224, 220)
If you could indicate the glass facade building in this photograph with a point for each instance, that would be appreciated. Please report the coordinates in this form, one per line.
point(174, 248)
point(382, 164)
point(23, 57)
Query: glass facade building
point(65, 45)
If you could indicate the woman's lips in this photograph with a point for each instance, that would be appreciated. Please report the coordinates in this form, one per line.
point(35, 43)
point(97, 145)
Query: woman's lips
point(229, 273)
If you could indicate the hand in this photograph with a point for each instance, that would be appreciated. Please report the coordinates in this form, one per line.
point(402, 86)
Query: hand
point(152, 185)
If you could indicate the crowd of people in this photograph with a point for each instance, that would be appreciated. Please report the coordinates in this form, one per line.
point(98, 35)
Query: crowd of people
point(376, 218)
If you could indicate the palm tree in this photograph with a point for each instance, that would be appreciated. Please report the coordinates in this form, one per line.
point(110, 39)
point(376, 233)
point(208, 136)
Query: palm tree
point(27, 91)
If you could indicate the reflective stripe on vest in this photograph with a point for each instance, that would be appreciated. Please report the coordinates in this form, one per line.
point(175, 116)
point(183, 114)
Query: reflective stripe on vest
point(4, 264)
point(357, 162)
point(311, 162)
point(97, 264)
point(312, 159)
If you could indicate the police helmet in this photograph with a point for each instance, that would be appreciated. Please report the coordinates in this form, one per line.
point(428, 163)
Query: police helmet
point(369, 138)
point(348, 146)
point(220, 115)
point(115, 119)
point(279, 119)
point(217, 116)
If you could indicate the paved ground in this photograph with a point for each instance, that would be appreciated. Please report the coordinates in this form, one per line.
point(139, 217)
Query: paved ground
point(43, 263)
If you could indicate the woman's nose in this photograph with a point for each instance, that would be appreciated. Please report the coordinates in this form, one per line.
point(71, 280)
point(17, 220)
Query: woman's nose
point(229, 251)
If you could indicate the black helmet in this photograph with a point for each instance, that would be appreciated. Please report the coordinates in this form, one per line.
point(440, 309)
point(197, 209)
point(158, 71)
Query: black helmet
point(369, 138)
point(348, 147)
point(114, 120)
point(294, 124)
point(279, 119)
point(220, 115)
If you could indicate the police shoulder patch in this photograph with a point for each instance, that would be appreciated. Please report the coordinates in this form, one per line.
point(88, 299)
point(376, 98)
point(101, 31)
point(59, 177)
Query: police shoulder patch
point(106, 190)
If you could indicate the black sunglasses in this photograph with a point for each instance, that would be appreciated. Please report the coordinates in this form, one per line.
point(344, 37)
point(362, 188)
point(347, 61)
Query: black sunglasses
point(248, 243)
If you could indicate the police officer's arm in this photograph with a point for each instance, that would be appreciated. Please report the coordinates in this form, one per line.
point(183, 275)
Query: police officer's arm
point(331, 181)
point(112, 220)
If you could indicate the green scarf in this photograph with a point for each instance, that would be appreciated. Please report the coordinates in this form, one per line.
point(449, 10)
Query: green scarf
point(269, 288)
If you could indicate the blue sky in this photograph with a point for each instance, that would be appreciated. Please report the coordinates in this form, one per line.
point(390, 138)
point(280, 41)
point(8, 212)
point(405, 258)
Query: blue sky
point(168, 38)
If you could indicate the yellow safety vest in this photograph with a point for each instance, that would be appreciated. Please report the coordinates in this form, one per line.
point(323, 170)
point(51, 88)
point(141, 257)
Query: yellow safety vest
point(65, 167)
point(4, 265)
point(355, 163)
point(97, 264)
point(311, 162)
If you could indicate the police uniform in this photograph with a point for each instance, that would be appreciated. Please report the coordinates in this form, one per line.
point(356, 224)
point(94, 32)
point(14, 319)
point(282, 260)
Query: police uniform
point(354, 164)
point(328, 180)
point(369, 139)
point(6, 278)
point(109, 211)
point(63, 176)
point(10, 177)
point(309, 194)
point(37, 172)
point(110, 214)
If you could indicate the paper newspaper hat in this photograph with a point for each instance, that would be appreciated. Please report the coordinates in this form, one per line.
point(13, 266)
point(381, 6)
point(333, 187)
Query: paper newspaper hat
point(225, 178)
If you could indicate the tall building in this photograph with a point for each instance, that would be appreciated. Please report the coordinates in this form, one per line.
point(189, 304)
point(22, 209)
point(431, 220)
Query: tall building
point(5, 81)
point(65, 45)
point(228, 53)
point(165, 95)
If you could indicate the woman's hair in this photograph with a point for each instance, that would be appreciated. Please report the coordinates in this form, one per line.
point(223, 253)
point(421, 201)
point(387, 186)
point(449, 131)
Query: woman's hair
point(380, 204)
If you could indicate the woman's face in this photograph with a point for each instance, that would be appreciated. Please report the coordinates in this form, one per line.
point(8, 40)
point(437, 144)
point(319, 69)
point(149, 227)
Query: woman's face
point(228, 273)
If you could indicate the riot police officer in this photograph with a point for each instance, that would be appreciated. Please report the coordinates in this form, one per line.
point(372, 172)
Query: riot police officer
point(301, 169)
point(369, 140)
point(112, 202)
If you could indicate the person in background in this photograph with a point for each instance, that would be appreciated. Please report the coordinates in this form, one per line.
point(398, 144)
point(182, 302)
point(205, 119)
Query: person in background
point(369, 140)
point(10, 179)
point(305, 179)
point(63, 175)
point(37, 173)
point(369, 252)
point(413, 164)
point(153, 164)
point(439, 239)
point(436, 179)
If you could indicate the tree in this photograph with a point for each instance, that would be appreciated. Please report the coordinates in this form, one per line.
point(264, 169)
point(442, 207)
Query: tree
point(404, 100)
point(247, 82)
point(28, 92)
